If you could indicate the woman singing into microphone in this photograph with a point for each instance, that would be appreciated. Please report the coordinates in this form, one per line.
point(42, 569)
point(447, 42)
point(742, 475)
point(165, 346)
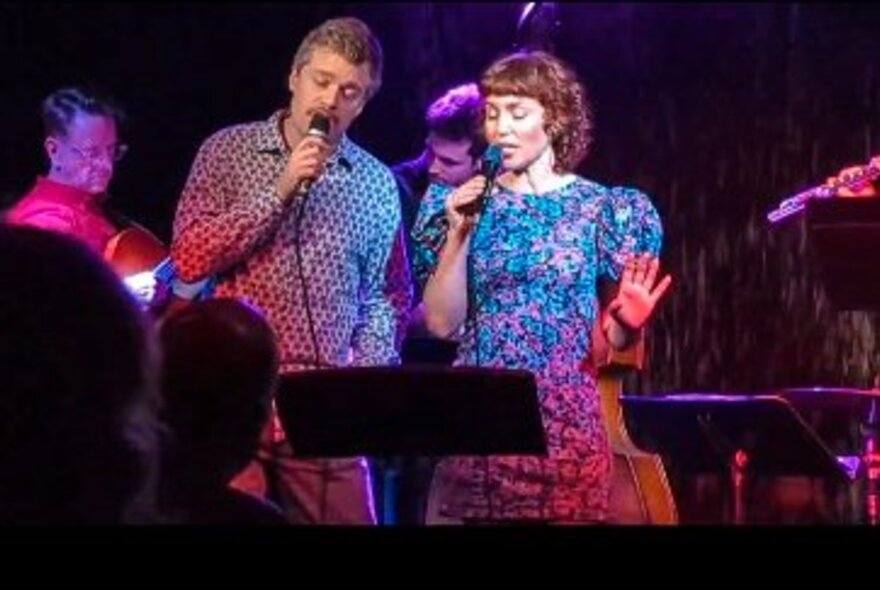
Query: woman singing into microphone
point(517, 286)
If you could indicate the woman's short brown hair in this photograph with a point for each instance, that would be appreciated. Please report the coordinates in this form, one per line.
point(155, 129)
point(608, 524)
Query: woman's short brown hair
point(568, 116)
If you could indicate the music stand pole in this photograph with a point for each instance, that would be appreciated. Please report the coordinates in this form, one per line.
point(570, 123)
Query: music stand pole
point(871, 462)
point(738, 464)
point(737, 461)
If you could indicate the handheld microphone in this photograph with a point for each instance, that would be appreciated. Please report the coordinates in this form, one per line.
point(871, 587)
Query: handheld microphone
point(319, 126)
point(490, 165)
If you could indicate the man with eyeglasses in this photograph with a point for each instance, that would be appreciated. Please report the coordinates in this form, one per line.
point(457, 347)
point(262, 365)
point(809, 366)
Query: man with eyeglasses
point(83, 147)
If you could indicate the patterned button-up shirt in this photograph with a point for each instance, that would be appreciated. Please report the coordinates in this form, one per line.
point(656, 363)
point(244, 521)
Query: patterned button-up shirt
point(232, 223)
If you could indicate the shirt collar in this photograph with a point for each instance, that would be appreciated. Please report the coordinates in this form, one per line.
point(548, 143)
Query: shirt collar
point(269, 139)
point(66, 193)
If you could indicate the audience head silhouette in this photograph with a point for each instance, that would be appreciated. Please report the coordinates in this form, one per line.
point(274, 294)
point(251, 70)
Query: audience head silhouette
point(220, 371)
point(77, 401)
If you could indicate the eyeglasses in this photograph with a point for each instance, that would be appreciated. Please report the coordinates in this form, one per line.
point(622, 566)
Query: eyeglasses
point(113, 152)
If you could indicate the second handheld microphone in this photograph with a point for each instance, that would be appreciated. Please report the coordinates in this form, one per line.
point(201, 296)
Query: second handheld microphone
point(490, 165)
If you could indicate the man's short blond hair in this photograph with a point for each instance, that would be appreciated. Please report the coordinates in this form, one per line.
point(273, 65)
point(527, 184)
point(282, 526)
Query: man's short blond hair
point(352, 39)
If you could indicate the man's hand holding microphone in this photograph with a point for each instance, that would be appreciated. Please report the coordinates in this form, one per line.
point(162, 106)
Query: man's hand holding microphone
point(307, 160)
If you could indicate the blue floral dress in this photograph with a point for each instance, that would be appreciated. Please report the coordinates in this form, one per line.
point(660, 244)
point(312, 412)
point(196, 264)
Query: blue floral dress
point(535, 261)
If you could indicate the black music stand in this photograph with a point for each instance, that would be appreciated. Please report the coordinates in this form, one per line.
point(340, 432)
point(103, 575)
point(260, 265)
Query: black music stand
point(844, 234)
point(836, 414)
point(833, 412)
point(742, 434)
point(411, 411)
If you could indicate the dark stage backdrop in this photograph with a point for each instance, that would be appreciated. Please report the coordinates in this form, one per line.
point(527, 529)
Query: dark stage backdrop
point(716, 110)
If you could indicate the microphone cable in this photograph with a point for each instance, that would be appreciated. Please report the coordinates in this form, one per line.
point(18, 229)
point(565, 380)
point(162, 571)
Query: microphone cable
point(297, 248)
point(319, 126)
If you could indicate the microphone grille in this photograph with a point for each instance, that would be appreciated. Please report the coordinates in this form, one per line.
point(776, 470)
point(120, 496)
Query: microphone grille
point(492, 159)
point(319, 126)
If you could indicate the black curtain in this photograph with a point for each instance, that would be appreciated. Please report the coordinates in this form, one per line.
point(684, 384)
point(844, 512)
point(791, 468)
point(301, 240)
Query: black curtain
point(717, 111)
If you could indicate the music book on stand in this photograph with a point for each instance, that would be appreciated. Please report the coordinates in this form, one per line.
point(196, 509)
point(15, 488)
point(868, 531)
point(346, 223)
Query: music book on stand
point(411, 410)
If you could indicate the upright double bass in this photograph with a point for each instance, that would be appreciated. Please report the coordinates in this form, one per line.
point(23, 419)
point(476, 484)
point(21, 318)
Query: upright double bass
point(640, 490)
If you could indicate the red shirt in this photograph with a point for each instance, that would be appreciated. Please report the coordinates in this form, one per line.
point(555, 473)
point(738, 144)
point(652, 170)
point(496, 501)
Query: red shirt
point(66, 209)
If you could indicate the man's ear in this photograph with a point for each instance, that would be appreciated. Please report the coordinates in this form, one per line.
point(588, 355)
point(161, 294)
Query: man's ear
point(360, 108)
point(51, 145)
point(293, 78)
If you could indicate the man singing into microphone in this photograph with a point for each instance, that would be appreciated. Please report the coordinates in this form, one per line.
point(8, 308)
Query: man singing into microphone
point(306, 226)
